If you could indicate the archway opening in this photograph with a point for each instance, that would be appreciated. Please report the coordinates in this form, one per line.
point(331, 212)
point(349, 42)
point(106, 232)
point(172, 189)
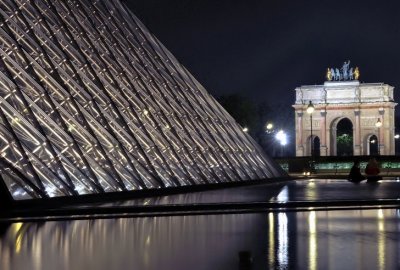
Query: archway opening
point(373, 145)
point(316, 147)
point(344, 138)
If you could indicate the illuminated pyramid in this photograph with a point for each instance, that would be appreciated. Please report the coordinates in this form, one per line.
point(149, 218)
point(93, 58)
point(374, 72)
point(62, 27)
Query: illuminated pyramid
point(91, 102)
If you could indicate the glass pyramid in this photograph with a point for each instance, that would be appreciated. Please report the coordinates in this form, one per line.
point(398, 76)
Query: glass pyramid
point(91, 102)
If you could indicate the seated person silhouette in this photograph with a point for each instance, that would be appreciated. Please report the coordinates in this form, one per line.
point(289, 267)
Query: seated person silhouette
point(355, 173)
point(372, 171)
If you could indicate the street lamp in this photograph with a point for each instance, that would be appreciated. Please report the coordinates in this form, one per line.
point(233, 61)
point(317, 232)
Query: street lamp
point(378, 124)
point(310, 110)
point(270, 143)
point(269, 127)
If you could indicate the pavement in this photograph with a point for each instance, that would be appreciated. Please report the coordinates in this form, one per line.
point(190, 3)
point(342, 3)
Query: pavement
point(292, 195)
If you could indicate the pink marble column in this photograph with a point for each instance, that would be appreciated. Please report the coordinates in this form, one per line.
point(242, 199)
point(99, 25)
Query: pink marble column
point(357, 134)
point(299, 139)
point(382, 132)
point(323, 148)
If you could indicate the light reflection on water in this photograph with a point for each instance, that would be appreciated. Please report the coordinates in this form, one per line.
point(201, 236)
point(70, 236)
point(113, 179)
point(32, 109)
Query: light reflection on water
point(381, 239)
point(313, 247)
point(352, 239)
point(283, 240)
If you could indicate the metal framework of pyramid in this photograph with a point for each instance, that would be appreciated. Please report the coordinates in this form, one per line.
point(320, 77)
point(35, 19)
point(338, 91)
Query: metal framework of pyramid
point(91, 102)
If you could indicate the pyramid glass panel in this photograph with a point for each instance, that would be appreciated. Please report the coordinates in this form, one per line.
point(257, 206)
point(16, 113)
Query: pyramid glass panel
point(92, 102)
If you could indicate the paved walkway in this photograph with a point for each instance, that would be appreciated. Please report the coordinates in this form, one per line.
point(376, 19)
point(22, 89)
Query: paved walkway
point(292, 195)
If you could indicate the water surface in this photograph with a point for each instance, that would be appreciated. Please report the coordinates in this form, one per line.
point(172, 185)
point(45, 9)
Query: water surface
point(346, 239)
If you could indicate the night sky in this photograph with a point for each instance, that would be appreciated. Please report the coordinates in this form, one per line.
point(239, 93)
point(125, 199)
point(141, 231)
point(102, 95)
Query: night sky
point(264, 49)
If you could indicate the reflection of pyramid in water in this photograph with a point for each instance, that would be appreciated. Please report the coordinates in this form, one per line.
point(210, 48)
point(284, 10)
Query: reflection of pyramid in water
point(91, 102)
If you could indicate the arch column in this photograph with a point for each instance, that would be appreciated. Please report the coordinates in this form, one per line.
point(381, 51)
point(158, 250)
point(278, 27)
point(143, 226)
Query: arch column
point(381, 137)
point(323, 145)
point(299, 135)
point(357, 134)
point(332, 135)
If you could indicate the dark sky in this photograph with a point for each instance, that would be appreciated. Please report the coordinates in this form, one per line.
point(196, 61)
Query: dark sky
point(264, 49)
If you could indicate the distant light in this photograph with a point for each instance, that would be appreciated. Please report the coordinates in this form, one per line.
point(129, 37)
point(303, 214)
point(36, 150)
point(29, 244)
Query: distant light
point(373, 141)
point(281, 137)
point(245, 129)
point(269, 128)
point(396, 136)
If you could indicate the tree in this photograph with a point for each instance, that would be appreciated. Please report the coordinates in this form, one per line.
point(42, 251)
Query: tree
point(242, 110)
point(344, 145)
point(255, 116)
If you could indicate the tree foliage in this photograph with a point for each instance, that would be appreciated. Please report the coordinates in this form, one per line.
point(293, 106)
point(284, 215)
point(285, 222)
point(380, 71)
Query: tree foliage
point(344, 145)
point(241, 109)
point(255, 116)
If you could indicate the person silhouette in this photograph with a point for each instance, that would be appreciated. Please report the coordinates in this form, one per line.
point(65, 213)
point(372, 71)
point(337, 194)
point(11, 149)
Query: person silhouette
point(355, 173)
point(372, 171)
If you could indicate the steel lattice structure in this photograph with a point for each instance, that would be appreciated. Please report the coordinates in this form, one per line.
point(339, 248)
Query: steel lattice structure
point(91, 102)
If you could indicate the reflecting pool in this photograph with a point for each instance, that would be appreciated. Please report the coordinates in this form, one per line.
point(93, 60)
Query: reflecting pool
point(346, 239)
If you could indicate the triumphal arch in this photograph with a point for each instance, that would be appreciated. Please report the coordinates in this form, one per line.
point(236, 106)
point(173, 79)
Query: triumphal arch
point(369, 107)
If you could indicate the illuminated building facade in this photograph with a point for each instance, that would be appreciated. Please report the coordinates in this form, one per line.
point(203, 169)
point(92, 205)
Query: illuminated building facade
point(363, 104)
point(91, 102)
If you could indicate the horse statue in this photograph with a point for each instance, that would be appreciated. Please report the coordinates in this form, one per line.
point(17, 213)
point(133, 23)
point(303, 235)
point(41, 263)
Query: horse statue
point(338, 76)
point(333, 74)
point(351, 74)
point(345, 73)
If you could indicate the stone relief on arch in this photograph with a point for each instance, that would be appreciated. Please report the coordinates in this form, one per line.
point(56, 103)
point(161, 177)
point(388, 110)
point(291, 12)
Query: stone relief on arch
point(369, 122)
